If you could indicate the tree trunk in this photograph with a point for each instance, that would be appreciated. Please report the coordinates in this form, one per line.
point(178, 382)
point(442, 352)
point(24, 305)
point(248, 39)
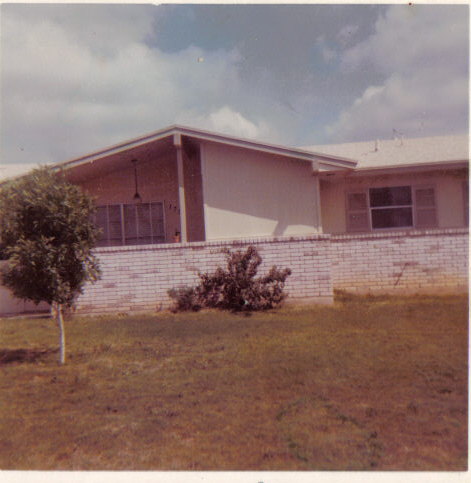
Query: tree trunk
point(60, 322)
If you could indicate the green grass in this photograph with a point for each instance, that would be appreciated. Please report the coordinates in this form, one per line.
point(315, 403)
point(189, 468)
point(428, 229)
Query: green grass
point(370, 383)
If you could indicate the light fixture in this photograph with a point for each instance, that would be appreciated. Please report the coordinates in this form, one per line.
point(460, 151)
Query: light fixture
point(136, 198)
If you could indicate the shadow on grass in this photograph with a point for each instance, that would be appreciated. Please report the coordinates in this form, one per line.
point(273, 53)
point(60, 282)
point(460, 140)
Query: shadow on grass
point(342, 296)
point(10, 356)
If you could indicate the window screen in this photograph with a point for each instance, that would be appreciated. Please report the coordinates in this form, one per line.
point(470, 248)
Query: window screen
point(391, 207)
point(395, 196)
point(129, 224)
point(115, 225)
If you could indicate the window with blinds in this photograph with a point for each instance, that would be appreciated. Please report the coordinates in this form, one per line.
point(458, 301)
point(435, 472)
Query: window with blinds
point(129, 224)
point(391, 207)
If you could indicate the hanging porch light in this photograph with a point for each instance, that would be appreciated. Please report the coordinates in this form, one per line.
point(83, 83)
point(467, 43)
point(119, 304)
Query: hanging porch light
point(136, 198)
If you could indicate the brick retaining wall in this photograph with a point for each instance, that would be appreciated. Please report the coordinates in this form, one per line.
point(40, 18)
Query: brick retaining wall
point(137, 278)
point(402, 261)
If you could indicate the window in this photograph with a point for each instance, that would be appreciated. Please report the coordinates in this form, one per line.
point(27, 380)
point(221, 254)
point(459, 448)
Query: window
point(127, 224)
point(391, 207)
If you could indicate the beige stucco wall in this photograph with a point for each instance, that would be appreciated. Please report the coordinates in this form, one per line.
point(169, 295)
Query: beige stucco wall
point(448, 192)
point(254, 194)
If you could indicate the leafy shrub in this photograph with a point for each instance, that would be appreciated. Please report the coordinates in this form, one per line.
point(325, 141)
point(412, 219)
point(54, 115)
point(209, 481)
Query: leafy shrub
point(185, 299)
point(236, 287)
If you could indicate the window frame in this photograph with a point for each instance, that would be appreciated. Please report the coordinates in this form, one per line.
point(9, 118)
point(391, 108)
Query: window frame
point(155, 238)
point(385, 207)
point(369, 209)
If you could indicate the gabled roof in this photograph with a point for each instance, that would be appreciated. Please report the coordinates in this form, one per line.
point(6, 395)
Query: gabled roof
point(437, 151)
point(339, 162)
point(111, 157)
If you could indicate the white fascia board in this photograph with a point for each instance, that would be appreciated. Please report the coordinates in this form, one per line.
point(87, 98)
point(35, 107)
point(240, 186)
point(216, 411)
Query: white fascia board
point(249, 144)
point(200, 135)
point(115, 149)
point(440, 165)
point(326, 163)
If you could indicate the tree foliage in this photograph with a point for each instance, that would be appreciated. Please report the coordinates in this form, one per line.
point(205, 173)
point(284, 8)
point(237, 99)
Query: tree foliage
point(47, 235)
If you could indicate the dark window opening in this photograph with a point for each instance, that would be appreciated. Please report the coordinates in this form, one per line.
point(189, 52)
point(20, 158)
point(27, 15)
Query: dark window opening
point(391, 207)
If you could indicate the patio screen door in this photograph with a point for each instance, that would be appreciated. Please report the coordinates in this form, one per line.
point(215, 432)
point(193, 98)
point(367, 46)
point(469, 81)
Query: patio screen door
point(131, 224)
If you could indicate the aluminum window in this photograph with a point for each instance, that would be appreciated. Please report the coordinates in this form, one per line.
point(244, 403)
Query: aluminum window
point(131, 224)
point(391, 207)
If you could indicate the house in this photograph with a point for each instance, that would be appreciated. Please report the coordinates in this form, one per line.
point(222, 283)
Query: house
point(207, 186)
point(382, 215)
point(203, 186)
point(400, 183)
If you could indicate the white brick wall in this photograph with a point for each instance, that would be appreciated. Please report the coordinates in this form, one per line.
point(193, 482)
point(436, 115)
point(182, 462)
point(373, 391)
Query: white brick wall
point(402, 261)
point(137, 278)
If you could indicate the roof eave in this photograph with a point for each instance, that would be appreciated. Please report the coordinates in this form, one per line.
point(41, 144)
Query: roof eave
point(200, 135)
point(438, 165)
point(117, 148)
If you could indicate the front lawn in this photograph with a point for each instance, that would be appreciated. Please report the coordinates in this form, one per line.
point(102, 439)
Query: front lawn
point(370, 383)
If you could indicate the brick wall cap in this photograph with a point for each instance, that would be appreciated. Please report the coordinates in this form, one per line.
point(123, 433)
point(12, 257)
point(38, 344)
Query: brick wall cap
point(399, 234)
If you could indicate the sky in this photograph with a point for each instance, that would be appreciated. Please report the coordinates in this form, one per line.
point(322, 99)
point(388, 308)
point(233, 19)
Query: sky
point(78, 78)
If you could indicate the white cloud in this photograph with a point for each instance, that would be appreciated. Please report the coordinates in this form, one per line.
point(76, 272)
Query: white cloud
point(67, 97)
point(407, 38)
point(228, 121)
point(78, 78)
point(369, 94)
point(424, 62)
point(102, 28)
point(412, 106)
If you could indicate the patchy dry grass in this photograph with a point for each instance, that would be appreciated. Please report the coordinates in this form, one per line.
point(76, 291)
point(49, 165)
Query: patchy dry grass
point(371, 383)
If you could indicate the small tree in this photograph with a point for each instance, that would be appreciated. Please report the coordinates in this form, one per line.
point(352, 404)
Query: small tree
point(47, 234)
